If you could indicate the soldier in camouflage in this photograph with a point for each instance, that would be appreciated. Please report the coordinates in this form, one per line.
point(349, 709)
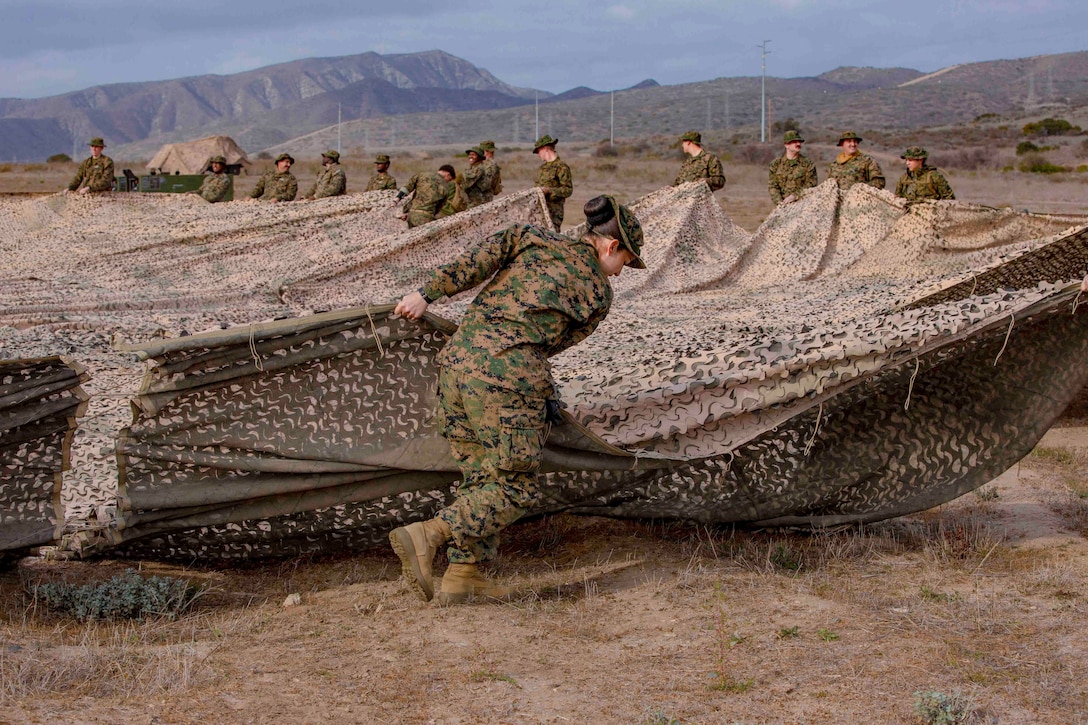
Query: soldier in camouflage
point(217, 185)
point(381, 181)
point(278, 184)
point(792, 172)
point(921, 182)
point(475, 181)
point(95, 174)
point(546, 292)
point(494, 171)
point(853, 167)
point(430, 192)
point(456, 201)
point(700, 165)
point(553, 177)
point(331, 181)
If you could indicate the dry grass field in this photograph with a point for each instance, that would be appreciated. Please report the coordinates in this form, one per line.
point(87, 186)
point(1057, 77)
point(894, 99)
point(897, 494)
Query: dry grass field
point(974, 612)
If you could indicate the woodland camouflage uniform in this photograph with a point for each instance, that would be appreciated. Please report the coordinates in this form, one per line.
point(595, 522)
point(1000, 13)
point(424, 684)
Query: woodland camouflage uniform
point(274, 186)
point(95, 174)
point(554, 178)
point(790, 176)
point(704, 166)
point(549, 293)
point(855, 168)
point(494, 171)
point(477, 183)
point(925, 184)
point(456, 201)
point(330, 182)
point(381, 181)
point(216, 187)
point(431, 191)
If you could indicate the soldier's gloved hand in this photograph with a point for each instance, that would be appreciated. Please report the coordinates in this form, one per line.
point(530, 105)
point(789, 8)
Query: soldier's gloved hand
point(401, 193)
point(552, 412)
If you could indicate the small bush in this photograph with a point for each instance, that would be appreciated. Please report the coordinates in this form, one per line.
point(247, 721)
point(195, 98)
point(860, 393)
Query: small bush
point(968, 159)
point(605, 149)
point(937, 708)
point(264, 156)
point(986, 117)
point(1051, 127)
point(59, 159)
point(125, 596)
point(1036, 164)
point(756, 153)
point(1026, 147)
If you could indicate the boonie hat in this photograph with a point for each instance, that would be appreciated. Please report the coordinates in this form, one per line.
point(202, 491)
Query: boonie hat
point(330, 154)
point(630, 229)
point(97, 141)
point(218, 160)
point(694, 136)
point(487, 145)
point(475, 150)
point(543, 141)
point(283, 156)
point(381, 159)
point(791, 136)
point(848, 136)
point(915, 152)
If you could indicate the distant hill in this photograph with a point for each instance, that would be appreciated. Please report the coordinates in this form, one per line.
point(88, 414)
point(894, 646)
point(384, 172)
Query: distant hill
point(433, 98)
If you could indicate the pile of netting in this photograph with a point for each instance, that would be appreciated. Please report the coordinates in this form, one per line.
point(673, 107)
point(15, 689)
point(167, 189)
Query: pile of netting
point(856, 358)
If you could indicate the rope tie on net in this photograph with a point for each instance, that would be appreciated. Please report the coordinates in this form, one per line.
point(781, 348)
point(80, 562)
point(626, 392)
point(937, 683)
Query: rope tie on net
point(816, 430)
point(910, 386)
point(374, 332)
point(1008, 334)
point(253, 351)
point(1076, 300)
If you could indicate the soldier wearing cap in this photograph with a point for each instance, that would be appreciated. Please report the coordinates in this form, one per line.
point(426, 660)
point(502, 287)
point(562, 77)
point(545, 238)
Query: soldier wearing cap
point(279, 184)
point(331, 181)
point(792, 172)
point(430, 191)
point(456, 201)
point(545, 292)
point(96, 172)
point(921, 182)
point(853, 167)
point(494, 171)
point(217, 185)
point(475, 181)
point(700, 165)
point(381, 180)
point(553, 177)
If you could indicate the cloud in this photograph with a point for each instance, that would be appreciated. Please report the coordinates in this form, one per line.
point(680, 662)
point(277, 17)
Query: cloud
point(620, 12)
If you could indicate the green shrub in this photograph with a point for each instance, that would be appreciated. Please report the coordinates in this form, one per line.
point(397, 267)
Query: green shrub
point(937, 708)
point(1051, 127)
point(1036, 164)
point(1026, 147)
point(125, 596)
point(59, 159)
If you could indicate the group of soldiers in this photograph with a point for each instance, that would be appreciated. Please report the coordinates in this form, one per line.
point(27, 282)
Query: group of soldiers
point(444, 192)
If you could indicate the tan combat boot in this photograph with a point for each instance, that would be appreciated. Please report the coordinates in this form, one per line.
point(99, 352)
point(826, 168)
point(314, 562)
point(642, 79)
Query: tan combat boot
point(464, 582)
point(416, 545)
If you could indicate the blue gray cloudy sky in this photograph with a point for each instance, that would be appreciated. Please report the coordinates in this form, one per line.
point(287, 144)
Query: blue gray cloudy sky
point(54, 46)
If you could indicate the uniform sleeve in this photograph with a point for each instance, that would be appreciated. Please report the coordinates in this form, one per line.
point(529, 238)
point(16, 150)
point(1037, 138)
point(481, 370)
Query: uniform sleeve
point(78, 178)
point(475, 265)
point(876, 176)
point(772, 184)
point(715, 176)
point(944, 190)
point(564, 184)
point(810, 176)
point(475, 176)
point(292, 189)
point(339, 183)
point(901, 187)
point(258, 190)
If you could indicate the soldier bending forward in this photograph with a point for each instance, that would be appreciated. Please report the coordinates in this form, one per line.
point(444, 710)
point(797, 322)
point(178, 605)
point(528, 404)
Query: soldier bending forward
point(548, 292)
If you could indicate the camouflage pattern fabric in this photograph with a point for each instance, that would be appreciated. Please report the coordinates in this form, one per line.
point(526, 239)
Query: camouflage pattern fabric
point(217, 187)
point(704, 167)
point(430, 191)
point(274, 186)
point(790, 177)
point(858, 168)
point(925, 184)
point(40, 400)
point(555, 179)
point(494, 177)
point(95, 174)
point(456, 201)
point(477, 185)
point(381, 182)
point(330, 182)
point(857, 357)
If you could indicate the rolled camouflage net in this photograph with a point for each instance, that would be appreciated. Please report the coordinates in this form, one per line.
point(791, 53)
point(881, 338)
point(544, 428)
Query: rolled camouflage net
point(856, 358)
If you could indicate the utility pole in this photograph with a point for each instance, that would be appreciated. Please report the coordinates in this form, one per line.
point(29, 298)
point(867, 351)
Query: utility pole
point(538, 114)
point(763, 96)
point(612, 122)
point(338, 117)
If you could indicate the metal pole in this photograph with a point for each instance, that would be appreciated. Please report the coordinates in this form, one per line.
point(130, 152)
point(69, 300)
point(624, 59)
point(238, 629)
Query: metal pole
point(538, 114)
point(763, 96)
point(612, 121)
point(338, 128)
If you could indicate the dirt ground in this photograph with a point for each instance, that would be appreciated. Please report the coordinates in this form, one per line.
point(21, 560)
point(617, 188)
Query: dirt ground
point(981, 604)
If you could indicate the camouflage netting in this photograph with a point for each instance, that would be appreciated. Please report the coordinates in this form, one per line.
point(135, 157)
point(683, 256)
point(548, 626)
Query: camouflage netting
point(39, 403)
point(852, 360)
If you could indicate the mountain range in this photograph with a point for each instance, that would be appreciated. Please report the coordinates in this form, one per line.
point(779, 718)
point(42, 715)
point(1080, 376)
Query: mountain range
point(434, 98)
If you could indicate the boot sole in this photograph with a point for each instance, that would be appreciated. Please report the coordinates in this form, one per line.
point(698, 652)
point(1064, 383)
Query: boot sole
point(402, 544)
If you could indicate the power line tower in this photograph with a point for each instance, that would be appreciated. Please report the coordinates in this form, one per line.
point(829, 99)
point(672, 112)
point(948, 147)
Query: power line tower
point(763, 95)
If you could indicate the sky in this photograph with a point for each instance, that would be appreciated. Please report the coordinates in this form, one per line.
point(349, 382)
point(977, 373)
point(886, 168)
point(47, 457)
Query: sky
point(48, 47)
